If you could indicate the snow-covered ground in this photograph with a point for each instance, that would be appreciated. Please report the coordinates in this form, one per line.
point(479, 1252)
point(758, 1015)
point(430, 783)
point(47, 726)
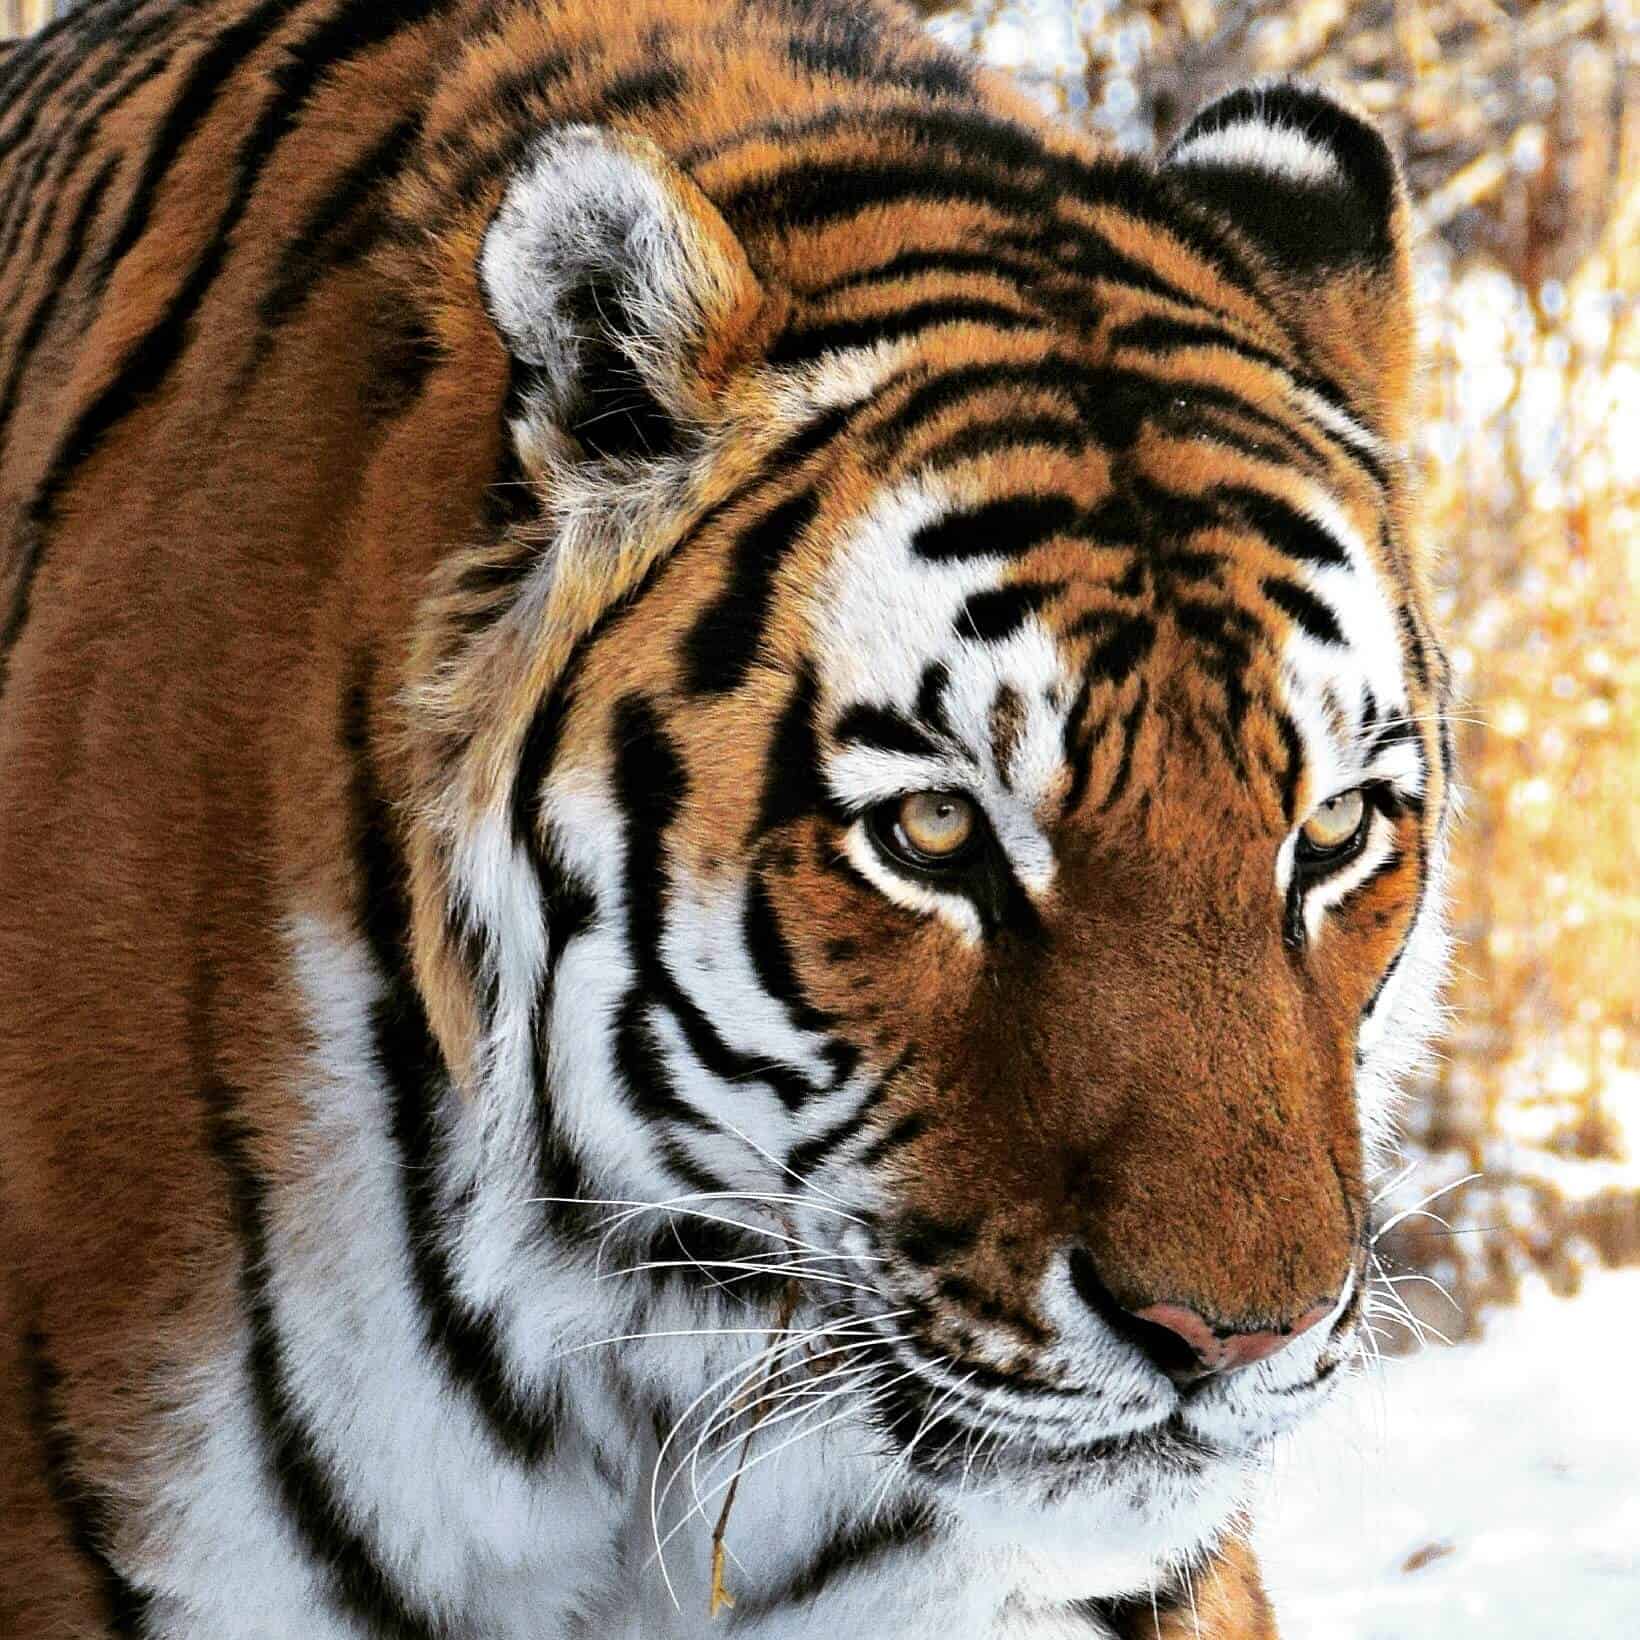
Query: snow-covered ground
point(1506, 1474)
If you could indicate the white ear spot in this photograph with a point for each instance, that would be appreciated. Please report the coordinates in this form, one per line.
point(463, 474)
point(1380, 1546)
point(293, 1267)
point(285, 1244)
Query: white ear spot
point(601, 241)
point(1253, 145)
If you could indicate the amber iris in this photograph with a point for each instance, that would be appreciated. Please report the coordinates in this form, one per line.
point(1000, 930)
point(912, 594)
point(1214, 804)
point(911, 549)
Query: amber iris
point(1336, 827)
point(935, 827)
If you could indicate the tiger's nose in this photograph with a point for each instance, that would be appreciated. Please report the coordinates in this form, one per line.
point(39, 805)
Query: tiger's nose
point(1207, 1349)
point(1177, 1340)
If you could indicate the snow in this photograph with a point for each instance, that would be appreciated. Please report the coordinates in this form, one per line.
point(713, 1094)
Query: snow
point(1510, 1467)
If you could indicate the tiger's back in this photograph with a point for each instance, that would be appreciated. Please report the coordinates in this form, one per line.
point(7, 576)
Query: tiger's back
point(283, 478)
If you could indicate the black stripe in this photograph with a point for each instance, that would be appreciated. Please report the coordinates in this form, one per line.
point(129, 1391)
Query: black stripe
point(1292, 744)
point(192, 104)
point(807, 342)
point(812, 1153)
point(543, 737)
point(652, 86)
point(1123, 643)
point(26, 191)
point(849, 46)
point(104, 93)
point(1019, 271)
point(1077, 744)
point(927, 1242)
point(45, 308)
point(1050, 376)
point(513, 99)
point(297, 1472)
point(492, 581)
point(1390, 862)
point(771, 958)
point(323, 241)
point(648, 1084)
point(722, 644)
point(1229, 635)
point(1371, 1005)
point(1397, 732)
point(571, 909)
point(20, 59)
point(87, 107)
point(545, 732)
point(907, 1130)
point(814, 193)
point(527, 114)
point(792, 784)
point(1418, 650)
point(508, 115)
point(1113, 406)
point(45, 86)
point(1285, 528)
point(1004, 528)
point(523, 1425)
point(1286, 447)
point(85, 1511)
point(1159, 333)
point(1308, 612)
point(850, 1550)
point(883, 729)
point(984, 438)
point(930, 705)
point(997, 614)
point(1130, 736)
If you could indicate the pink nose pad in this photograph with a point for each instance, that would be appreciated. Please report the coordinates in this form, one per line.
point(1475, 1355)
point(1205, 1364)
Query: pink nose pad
point(1227, 1351)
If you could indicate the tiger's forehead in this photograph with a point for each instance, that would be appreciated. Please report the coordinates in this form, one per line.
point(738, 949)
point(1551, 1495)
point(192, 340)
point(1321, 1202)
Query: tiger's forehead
point(1012, 626)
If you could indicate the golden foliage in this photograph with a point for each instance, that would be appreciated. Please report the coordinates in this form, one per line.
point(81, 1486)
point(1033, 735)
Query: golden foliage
point(24, 16)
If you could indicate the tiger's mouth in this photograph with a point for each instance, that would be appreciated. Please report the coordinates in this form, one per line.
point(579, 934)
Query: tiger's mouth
point(959, 1421)
point(947, 1446)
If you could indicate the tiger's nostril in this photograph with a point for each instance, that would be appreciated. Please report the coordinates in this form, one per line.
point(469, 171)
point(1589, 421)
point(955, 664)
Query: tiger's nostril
point(1175, 1339)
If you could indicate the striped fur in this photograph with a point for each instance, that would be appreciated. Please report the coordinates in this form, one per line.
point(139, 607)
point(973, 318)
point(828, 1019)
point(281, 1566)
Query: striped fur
point(499, 500)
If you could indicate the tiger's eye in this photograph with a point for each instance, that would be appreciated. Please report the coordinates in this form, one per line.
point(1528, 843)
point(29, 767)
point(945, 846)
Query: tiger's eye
point(1336, 824)
point(937, 825)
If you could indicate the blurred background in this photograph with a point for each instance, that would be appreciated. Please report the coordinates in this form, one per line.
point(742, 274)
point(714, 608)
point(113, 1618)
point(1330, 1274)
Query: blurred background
point(1493, 1487)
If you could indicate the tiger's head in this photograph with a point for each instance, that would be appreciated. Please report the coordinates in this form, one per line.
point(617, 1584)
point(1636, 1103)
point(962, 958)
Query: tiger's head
point(944, 759)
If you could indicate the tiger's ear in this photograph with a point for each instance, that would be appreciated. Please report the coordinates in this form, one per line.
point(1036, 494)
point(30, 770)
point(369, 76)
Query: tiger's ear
point(619, 290)
point(1316, 190)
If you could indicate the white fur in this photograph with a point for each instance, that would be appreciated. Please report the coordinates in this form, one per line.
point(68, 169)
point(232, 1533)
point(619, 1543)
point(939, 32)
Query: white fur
point(1257, 145)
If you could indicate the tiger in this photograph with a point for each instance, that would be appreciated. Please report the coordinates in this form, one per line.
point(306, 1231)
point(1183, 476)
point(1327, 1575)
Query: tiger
point(725, 794)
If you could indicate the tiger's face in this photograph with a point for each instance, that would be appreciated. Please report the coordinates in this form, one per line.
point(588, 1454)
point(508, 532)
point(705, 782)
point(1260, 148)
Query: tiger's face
point(987, 795)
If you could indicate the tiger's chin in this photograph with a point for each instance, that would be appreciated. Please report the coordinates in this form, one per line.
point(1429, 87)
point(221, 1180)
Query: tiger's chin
point(1110, 1515)
point(1113, 1525)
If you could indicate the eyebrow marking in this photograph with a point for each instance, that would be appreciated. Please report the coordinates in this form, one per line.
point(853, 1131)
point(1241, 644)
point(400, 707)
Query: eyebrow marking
point(1007, 528)
point(885, 730)
point(999, 612)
